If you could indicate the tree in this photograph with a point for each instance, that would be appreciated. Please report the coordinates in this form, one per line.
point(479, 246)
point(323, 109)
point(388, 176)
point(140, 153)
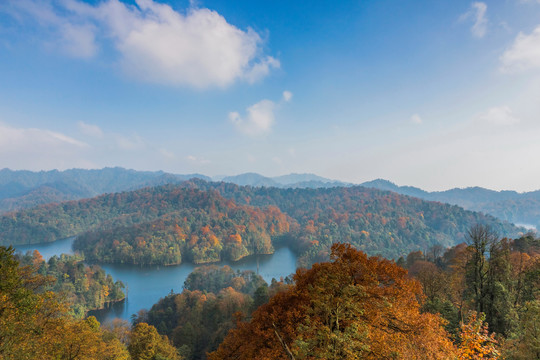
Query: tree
point(146, 344)
point(354, 307)
point(480, 239)
point(475, 341)
point(35, 324)
point(526, 344)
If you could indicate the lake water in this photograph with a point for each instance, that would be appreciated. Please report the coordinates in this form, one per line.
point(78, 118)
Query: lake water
point(146, 285)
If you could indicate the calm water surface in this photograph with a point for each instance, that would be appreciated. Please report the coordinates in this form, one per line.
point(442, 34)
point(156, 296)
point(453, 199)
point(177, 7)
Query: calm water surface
point(146, 285)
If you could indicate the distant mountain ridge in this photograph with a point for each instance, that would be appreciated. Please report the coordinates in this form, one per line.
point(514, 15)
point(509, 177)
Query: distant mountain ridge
point(519, 208)
point(293, 180)
point(24, 189)
point(21, 189)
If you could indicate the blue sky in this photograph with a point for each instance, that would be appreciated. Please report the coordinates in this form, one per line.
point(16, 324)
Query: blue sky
point(436, 94)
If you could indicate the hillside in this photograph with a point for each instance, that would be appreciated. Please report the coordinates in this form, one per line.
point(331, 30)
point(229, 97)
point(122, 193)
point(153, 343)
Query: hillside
point(159, 225)
point(24, 189)
point(520, 208)
point(375, 221)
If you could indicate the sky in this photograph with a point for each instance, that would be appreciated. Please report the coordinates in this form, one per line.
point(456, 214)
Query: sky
point(434, 94)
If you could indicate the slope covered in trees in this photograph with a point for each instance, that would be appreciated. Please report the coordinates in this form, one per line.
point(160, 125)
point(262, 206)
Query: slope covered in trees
point(83, 287)
point(35, 324)
point(506, 205)
point(160, 225)
point(24, 189)
point(196, 222)
point(198, 319)
point(496, 278)
point(374, 221)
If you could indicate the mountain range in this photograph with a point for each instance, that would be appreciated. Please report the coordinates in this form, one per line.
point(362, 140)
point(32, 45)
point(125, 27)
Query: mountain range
point(24, 189)
point(519, 208)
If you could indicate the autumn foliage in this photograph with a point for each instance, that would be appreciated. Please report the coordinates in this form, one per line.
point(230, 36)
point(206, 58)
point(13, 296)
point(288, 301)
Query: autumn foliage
point(355, 307)
point(35, 324)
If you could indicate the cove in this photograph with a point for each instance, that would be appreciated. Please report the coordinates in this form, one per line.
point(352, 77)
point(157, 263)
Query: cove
point(146, 285)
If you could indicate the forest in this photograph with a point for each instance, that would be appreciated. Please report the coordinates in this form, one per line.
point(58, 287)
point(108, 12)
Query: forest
point(496, 278)
point(477, 300)
point(36, 323)
point(375, 221)
point(204, 222)
point(82, 286)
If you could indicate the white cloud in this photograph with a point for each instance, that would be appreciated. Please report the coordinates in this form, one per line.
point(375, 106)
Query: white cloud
point(259, 117)
point(524, 53)
point(287, 96)
point(155, 43)
point(11, 137)
point(78, 41)
point(258, 120)
point(292, 152)
point(416, 119)
point(501, 115)
point(90, 130)
point(198, 160)
point(33, 148)
point(478, 13)
point(261, 69)
point(69, 35)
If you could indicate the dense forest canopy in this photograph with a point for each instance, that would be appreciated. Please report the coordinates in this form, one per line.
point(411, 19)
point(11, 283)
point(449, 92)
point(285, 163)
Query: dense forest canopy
point(354, 307)
point(26, 189)
point(197, 319)
point(203, 222)
point(374, 221)
point(476, 300)
point(83, 287)
point(506, 205)
point(497, 278)
point(35, 323)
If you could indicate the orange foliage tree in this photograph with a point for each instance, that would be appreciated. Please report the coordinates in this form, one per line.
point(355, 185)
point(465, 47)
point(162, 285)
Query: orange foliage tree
point(354, 307)
point(476, 342)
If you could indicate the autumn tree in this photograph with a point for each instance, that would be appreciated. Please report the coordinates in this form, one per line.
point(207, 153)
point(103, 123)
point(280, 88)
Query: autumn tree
point(354, 307)
point(35, 324)
point(475, 341)
point(146, 344)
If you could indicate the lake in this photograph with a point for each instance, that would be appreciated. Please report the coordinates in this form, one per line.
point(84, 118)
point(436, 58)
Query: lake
point(146, 285)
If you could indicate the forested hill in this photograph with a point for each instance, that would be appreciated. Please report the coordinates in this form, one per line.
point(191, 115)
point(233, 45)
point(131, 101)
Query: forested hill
point(375, 221)
point(157, 225)
point(511, 206)
point(202, 222)
point(24, 189)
